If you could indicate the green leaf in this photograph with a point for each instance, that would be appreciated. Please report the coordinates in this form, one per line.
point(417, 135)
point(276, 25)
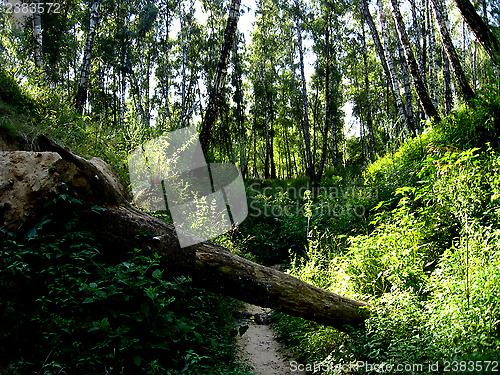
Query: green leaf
point(157, 274)
point(137, 360)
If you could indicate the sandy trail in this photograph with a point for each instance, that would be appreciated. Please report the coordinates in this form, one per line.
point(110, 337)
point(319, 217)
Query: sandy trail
point(260, 349)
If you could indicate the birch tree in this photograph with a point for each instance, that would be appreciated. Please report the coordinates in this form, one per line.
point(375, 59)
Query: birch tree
point(214, 99)
point(406, 113)
point(442, 19)
point(483, 33)
point(305, 104)
point(83, 84)
point(37, 36)
point(448, 94)
point(423, 94)
point(369, 120)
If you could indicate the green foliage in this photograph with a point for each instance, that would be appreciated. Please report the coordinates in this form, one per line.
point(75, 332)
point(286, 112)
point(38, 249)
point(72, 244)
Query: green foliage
point(11, 93)
point(430, 266)
point(282, 214)
point(67, 309)
point(474, 126)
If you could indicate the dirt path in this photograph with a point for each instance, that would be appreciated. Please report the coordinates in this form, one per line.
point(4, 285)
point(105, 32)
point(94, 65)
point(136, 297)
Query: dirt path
point(259, 347)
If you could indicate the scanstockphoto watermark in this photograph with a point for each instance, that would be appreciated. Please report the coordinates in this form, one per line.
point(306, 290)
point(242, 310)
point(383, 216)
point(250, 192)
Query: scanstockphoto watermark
point(386, 368)
point(332, 201)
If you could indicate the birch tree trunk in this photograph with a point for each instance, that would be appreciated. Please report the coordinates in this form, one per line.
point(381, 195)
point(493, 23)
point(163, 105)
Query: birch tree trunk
point(419, 33)
point(305, 105)
point(420, 88)
point(167, 63)
point(268, 143)
point(442, 19)
point(136, 94)
point(214, 99)
point(185, 43)
point(448, 93)
point(83, 84)
point(271, 141)
point(403, 112)
point(405, 74)
point(376, 39)
point(37, 36)
point(483, 33)
point(433, 81)
point(369, 121)
point(328, 115)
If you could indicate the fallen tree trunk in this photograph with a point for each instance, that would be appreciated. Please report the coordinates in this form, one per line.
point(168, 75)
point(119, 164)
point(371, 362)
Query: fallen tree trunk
point(29, 179)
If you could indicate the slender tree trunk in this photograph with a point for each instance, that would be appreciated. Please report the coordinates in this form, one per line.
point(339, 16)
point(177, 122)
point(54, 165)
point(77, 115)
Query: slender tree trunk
point(81, 94)
point(268, 143)
point(335, 155)
point(167, 63)
point(442, 19)
point(305, 106)
point(146, 84)
point(328, 115)
point(183, 68)
point(420, 88)
point(271, 148)
point(416, 32)
point(448, 93)
point(375, 36)
point(369, 122)
point(288, 156)
point(433, 81)
point(214, 99)
point(391, 73)
point(136, 94)
point(405, 74)
point(254, 126)
point(185, 42)
point(483, 33)
point(475, 82)
point(37, 36)
point(423, 56)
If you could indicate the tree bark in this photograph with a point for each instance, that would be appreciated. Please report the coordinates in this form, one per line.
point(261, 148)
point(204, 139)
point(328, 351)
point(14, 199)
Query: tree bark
point(376, 39)
point(406, 112)
point(328, 109)
point(37, 36)
point(388, 64)
point(369, 120)
point(166, 84)
point(268, 143)
point(214, 99)
point(480, 29)
point(423, 94)
point(448, 94)
point(442, 19)
point(411, 124)
point(121, 227)
point(305, 106)
point(83, 84)
point(433, 81)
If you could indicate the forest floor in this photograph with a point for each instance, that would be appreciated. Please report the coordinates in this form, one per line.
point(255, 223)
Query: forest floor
point(259, 347)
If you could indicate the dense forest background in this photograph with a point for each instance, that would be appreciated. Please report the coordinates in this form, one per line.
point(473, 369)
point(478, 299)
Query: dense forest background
point(368, 137)
point(302, 78)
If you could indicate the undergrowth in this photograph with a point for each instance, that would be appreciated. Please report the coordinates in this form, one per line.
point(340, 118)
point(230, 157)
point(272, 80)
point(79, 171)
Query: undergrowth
point(68, 309)
point(429, 264)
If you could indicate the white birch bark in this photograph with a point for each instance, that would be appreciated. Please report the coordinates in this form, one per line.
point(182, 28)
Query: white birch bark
point(83, 84)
